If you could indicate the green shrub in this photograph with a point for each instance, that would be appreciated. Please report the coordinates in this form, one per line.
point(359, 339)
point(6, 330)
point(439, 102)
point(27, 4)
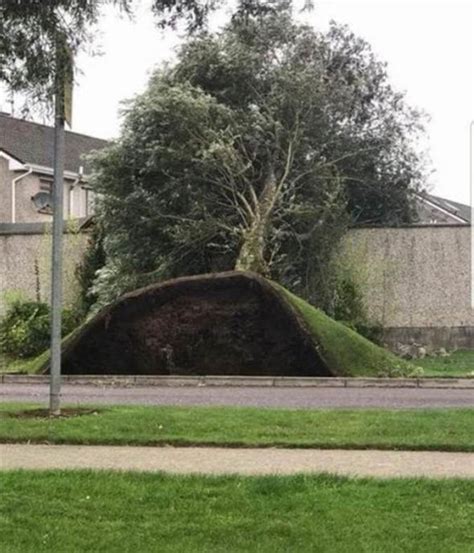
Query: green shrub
point(25, 328)
point(93, 260)
point(349, 309)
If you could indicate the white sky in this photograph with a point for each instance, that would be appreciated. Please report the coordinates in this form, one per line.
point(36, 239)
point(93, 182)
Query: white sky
point(428, 45)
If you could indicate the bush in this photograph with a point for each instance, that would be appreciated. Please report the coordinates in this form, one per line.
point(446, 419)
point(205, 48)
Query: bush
point(25, 330)
point(349, 309)
point(93, 260)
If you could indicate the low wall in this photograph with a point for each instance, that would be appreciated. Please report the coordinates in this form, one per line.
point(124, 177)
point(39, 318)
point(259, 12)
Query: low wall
point(25, 261)
point(416, 282)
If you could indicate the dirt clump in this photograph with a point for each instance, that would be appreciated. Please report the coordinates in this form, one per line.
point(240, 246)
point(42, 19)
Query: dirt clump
point(224, 324)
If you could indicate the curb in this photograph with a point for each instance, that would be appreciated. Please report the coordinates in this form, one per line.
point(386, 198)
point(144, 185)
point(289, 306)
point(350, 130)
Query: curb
point(137, 381)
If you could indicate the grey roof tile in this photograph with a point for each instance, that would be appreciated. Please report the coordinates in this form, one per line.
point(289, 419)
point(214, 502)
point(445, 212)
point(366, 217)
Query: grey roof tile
point(34, 143)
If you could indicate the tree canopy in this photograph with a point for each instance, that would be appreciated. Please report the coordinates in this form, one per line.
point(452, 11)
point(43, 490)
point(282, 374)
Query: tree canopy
point(255, 150)
point(30, 30)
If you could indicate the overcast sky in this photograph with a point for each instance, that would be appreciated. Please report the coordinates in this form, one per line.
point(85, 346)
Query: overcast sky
point(428, 45)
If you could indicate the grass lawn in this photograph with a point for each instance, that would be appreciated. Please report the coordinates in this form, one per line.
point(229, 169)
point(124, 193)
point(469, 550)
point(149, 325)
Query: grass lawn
point(126, 512)
point(460, 363)
point(446, 429)
point(29, 365)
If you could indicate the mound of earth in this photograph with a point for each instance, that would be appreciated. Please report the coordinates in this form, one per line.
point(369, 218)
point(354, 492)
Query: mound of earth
point(232, 323)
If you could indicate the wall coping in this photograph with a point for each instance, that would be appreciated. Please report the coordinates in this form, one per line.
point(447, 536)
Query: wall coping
point(13, 229)
point(133, 381)
point(411, 226)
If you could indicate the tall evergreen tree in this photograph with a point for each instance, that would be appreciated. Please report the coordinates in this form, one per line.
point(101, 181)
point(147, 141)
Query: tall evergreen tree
point(255, 151)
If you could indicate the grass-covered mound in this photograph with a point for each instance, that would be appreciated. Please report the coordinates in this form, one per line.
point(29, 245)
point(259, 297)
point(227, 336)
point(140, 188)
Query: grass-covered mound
point(346, 352)
point(231, 323)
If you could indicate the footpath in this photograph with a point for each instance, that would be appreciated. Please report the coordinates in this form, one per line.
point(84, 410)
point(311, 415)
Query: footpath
point(258, 461)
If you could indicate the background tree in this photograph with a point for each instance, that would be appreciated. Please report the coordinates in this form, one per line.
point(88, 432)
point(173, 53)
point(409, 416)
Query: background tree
point(255, 151)
point(29, 30)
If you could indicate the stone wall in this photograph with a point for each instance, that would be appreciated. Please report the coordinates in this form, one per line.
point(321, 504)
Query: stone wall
point(25, 262)
point(416, 282)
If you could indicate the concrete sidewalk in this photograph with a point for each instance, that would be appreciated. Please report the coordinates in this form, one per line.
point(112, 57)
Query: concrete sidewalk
point(189, 460)
point(235, 381)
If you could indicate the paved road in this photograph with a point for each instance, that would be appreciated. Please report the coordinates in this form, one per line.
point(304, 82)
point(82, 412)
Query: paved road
point(215, 460)
point(397, 398)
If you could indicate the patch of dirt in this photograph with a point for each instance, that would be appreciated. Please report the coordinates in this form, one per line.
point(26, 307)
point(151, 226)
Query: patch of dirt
point(233, 324)
point(67, 412)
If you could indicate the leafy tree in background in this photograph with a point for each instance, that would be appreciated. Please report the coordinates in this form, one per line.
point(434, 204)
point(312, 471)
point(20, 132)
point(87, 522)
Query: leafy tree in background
point(29, 31)
point(255, 151)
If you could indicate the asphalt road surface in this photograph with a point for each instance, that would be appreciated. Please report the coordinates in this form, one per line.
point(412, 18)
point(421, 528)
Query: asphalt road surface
point(306, 398)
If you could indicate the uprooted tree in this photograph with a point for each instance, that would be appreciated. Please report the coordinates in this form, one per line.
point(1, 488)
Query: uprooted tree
point(226, 323)
point(254, 151)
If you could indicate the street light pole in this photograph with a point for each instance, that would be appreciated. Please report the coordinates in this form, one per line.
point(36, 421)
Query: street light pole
point(57, 255)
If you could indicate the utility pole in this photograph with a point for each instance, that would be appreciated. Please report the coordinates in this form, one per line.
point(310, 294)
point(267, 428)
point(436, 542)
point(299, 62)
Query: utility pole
point(57, 257)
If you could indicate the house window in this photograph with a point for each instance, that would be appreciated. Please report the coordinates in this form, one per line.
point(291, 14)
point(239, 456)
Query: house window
point(89, 201)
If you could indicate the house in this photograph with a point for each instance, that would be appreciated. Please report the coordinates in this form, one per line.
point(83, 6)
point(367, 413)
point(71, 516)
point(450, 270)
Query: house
point(26, 172)
point(433, 210)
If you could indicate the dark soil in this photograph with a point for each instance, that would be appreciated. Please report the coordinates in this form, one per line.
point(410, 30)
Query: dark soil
point(44, 413)
point(233, 324)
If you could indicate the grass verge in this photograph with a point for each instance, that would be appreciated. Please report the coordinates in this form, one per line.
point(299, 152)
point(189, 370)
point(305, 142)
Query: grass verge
point(460, 363)
point(447, 429)
point(124, 512)
point(30, 365)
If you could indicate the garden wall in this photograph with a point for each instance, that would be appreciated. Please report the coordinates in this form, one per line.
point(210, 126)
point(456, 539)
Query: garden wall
point(25, 261)
point(416, 282)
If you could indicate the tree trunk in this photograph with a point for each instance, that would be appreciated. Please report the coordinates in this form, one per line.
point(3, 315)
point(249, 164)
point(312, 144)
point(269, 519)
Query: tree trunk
point(252, 252)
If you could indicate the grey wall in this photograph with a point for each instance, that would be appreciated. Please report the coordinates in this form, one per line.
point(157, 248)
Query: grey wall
point(5, 191)
point(416, 281)
point(25, 264)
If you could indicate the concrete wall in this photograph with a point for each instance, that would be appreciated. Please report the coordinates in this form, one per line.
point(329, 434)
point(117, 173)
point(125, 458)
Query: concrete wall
point(416, 282)
point(5, 191)
point(25, 263)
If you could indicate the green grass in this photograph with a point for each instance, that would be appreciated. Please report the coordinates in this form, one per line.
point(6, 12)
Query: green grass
point(346, 352)
point(31, 365)
point(447, 429)
point(460, 363)
point(125, 512)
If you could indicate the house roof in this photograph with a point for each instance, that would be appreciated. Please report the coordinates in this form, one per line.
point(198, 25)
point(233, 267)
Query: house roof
point(455, 211)
point(461, 210)
point(33, 143)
